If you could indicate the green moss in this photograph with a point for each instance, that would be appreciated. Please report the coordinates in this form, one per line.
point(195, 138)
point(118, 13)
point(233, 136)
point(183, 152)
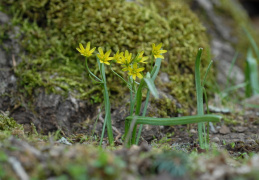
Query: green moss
point(8, 127)
point(7, 123)
point(54, 28)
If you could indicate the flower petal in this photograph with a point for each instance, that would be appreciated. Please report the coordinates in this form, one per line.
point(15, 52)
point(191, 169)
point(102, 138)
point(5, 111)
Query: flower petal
point(153, 46)
point(100, 51)
point(79, 50)
point(107, 54)
point(81, 46)
point(140, 69)
point(159, 46)
point(92, 50)
point(159, 56)
point(125, 69)
point(163, 51)
point(88, 46)
point(139, 75)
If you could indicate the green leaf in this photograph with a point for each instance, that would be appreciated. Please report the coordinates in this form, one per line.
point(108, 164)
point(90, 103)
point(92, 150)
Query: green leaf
point(253, 72)
point(151, 85)
point(156, 68)
point(175, 120)
point(199, 94)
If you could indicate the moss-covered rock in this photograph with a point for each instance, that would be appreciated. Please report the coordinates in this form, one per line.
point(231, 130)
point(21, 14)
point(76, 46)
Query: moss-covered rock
point(52, 29)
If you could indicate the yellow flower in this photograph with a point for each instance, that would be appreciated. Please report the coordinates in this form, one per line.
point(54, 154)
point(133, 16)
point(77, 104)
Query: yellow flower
point(140, 58)
point(157, 52)
point(85, 51)
point(126, 61)
point(118, 56)
point(104, 58)
point(135, 71)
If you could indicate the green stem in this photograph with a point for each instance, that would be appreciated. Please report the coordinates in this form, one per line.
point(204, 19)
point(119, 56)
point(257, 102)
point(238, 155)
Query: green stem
point(137, 110)
point(127, 123)
point(175, 120)
point(208, 112)
point(107, 120)
point(143, 114)
point(128, 84)
point(91, 71)
point(199, 96)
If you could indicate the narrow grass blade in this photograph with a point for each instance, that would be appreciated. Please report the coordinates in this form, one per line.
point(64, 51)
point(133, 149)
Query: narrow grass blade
point(233, 88)
point(143, 115)
point(231, 68)
point(205, 76)
point(253, 43)
point(107, 120)
point(253, 72)
point(199, 96)
point(175, 120)
point(138, 102)
point(156, 68)
point(248, 88)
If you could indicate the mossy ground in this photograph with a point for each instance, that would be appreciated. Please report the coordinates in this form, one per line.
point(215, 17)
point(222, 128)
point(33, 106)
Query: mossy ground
point(51, 30)
point(43, 157)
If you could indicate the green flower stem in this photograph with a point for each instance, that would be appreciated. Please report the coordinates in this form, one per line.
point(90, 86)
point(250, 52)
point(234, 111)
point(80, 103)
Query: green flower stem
point(154, 73)
point(199, 97)
point(127, 123)
point(143, 115)
point(175, 120)
point(205, 76)
point(208, 111)
point(107, 120)
point(152, 60)
point(137, 110)
point(128, 84)
point(92, 74)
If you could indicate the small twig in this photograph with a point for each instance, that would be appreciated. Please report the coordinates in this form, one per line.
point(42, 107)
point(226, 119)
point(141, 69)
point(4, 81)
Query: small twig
point(17, 167)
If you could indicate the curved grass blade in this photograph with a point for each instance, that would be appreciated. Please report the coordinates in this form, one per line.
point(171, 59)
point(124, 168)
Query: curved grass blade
point(253, 43)
point(151, 85)
point(175, 120)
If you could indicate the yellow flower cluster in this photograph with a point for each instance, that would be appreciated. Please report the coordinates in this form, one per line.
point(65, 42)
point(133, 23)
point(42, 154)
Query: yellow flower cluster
point(128, 63)
point(131, 65)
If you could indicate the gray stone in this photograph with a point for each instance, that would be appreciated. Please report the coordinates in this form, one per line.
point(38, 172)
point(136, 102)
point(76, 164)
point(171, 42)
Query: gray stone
point(215, 139)
point(4, 18)
point(224, 130)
